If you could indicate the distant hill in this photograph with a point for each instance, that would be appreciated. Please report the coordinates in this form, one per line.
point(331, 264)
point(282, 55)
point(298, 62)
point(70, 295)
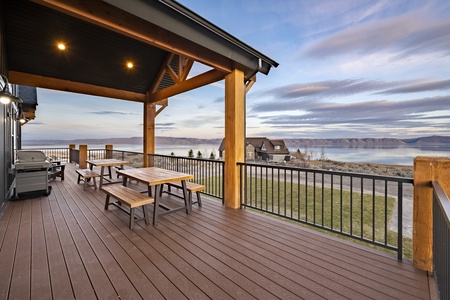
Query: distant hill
point(290, 143)
point(116, 141)
point(355, 142)
point(435, 139)
point(367, 142)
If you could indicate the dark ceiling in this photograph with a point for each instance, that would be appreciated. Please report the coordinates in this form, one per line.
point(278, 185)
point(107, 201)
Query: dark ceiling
point(94, 55)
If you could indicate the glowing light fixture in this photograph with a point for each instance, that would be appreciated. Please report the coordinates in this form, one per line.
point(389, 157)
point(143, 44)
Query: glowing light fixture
point(61, 46)
point(23, 120)
point(130, 65)
point(4, 99)
point(5, 95)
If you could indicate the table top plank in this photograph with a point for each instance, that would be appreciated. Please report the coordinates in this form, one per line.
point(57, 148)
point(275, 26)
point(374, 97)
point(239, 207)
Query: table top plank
point(110, 162)
point(154, 176)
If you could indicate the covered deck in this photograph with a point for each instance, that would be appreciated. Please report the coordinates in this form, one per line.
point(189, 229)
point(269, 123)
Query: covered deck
point(67, 246)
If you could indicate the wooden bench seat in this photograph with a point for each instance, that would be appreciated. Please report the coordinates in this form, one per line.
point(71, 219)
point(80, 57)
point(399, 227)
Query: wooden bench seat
point(130, 198)
point(57, 170)
point(190, 187)
point(86, 175)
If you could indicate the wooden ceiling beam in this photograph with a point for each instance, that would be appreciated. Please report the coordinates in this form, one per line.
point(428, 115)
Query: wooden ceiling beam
point(74, 87)
point(250, 83)
point(163, 104)
point(186, 65)
point(113, 18)
point(187, 85)
point(161, 73)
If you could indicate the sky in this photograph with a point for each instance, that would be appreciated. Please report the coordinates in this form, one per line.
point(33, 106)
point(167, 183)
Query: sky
point(347, 69)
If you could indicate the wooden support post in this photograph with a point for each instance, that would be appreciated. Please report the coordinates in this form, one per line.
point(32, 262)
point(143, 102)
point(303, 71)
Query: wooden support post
point(149, 132)
point(234, 136)
point(109, 151)
point(426, 169)
point(83, 156)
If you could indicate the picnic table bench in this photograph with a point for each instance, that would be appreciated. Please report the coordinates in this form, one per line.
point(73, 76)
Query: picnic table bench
point(85, 175)
point(130, 198)
point(190, 187)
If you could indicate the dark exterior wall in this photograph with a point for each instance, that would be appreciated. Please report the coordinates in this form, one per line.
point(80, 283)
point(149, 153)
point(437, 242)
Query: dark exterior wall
point(7, 128)
point(4, 180)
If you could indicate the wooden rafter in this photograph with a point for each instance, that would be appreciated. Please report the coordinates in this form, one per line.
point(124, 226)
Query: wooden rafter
point(184, 65)
point(75, 87)
point(161, 74)
point(187, 85)
point(250, 83)
point(163, 104)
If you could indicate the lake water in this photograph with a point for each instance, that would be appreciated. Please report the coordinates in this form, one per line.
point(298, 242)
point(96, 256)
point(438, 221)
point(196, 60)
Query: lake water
point(385, 155)
point(379, 155)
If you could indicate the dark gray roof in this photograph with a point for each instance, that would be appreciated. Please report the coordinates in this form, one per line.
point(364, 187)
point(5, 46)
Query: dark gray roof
point(28, 94)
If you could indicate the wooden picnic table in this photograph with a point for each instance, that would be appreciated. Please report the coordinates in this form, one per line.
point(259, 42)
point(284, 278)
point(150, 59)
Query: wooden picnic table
point(108, 162)
point(157, 177)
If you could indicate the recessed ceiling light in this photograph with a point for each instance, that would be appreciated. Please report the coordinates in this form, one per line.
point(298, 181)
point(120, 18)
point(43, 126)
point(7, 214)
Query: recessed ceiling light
point(130, 65)
point(61, 46)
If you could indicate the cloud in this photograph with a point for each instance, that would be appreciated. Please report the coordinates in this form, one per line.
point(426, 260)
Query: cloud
point(220, 99)
point(110, 112)
point(403, 36)
point(420, 87)
point(298, 96)
point(328, 88)
point(383, 113)
point(165, 126)
point(34, 122)
point(373, 9)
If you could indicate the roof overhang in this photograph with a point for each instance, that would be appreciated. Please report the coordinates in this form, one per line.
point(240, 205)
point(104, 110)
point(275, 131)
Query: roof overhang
point(162, 38)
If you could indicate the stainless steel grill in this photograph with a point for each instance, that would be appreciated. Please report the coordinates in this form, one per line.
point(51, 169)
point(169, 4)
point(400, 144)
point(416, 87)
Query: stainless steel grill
point(32, 171)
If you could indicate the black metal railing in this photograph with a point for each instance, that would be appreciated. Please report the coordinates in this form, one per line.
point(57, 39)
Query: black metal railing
point(208, 172)
point(96, 154)
point(56, 154)
point(441, 240)
point(359, 206)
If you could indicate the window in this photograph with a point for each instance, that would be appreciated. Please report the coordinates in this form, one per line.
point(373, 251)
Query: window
point(277, 147)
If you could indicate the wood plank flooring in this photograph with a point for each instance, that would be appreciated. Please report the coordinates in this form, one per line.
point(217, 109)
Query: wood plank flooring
point(66, 246)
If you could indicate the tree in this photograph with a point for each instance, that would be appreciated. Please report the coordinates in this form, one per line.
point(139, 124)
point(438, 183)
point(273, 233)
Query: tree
point(199, 154)
point(191, 154)
point(298, 154)
point(212, 155)
point(172, 154)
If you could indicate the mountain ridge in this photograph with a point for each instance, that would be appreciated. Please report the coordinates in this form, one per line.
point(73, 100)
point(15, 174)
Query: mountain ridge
point(369, 142)
point(290, 142)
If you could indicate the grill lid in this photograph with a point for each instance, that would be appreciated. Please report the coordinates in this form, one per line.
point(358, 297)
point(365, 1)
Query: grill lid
point(32, 159)
point(30, 155)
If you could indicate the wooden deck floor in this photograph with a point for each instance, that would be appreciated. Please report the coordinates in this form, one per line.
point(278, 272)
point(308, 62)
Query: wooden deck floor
point(67, 246)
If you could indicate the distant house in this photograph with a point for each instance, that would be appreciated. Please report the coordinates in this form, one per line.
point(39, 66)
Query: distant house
point(28, 95)
point(261, 148)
